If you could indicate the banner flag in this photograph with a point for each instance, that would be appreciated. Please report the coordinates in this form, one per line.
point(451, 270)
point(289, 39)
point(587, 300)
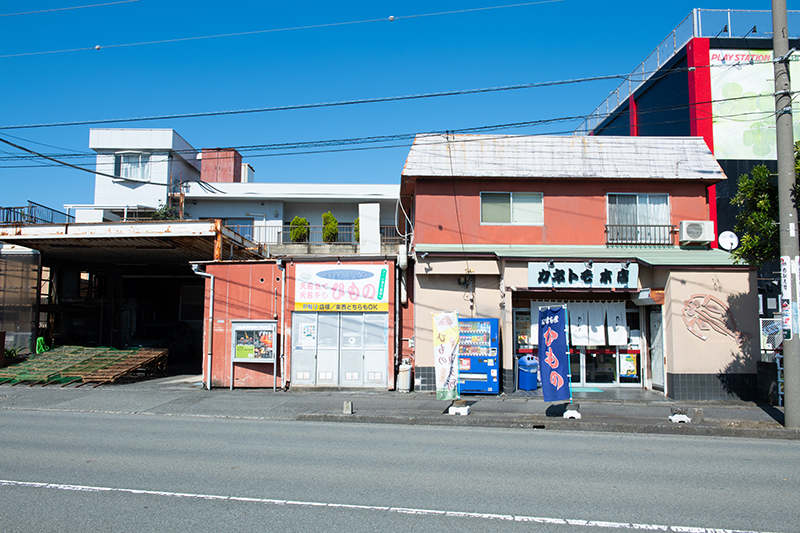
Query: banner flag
point(445, 354)
point(554, 354)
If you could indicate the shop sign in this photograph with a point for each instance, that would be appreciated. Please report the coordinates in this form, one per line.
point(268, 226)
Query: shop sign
point(554, 349)
point(342, 288)
point(583, 275)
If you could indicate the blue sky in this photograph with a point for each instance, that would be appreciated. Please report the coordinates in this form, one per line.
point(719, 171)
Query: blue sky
point(557, 40)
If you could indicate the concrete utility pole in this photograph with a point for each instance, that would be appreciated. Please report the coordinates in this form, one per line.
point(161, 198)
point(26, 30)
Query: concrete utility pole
point(787, 211)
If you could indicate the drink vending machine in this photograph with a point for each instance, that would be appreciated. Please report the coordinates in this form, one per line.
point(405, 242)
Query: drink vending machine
point(478, 360)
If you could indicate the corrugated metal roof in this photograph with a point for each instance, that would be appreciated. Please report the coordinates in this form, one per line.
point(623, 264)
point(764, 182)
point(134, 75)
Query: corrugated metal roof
point(509, 156)
point(666, 256)
point(160, 243)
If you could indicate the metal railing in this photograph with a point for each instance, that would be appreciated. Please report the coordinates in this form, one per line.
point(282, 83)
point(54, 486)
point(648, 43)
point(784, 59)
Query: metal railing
point(712, 23)
point(33, 213)
point(640, 235)
point(282, 235)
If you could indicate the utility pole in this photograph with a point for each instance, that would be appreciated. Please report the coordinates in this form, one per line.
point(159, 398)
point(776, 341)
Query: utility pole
point(787, 211)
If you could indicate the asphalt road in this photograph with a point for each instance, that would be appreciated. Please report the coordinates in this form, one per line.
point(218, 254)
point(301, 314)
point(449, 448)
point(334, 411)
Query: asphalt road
point(90, 471)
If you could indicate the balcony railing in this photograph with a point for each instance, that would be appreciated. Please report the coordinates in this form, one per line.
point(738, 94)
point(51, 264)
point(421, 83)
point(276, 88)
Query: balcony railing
point(282, 235)
point(33, 213)
point(640, 235)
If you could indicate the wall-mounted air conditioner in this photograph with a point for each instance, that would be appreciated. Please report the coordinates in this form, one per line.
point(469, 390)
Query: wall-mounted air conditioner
point(695, 231)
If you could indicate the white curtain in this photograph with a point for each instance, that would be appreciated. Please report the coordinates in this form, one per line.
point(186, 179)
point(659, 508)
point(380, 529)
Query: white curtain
point(617, 323)
point(597, 330)
point(579, 323)
point(654, 209)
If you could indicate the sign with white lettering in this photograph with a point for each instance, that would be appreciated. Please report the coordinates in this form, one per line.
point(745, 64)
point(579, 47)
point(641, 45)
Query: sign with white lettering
point(583, 275)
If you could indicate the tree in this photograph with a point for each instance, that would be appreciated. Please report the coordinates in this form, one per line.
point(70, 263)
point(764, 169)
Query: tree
point(299, 229)
point(330, 228)
point(757, 219)
point(357, 230)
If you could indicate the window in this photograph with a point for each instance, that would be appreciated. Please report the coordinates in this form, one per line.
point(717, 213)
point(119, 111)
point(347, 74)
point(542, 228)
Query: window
point(524, 208)
point(639, 218)
point(132, 166)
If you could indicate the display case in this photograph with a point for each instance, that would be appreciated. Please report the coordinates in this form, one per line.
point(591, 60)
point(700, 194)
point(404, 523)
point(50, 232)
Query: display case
point(478, 359)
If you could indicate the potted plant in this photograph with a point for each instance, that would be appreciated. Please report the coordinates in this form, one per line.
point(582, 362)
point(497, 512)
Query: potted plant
point(330, 228)
point(299, 229)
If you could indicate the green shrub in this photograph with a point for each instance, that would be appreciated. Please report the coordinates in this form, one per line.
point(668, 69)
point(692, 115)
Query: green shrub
point(330, 228)
point(166, 212)
point(299, 230)
point(357, 231)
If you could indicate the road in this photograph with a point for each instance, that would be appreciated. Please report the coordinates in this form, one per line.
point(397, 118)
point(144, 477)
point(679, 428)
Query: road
point(94, 471)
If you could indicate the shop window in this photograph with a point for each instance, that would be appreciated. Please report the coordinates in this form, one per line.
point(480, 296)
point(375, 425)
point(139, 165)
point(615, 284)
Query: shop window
point(523, 208)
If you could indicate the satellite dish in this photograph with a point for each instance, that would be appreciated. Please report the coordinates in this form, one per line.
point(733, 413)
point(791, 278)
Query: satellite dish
point(728, 241)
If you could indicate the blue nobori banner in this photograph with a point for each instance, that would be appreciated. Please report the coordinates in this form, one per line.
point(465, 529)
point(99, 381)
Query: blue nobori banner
point(554, 354)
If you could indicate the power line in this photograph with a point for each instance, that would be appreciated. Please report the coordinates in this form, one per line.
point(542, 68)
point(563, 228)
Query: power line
point(66, 8)
point(340, 103)
point(275, 30)
point(409, 136)
point(309, 146)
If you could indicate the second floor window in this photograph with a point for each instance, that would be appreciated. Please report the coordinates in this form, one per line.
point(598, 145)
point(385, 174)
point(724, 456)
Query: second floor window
point(639, 218)
point(132, 166)
point(524, 208)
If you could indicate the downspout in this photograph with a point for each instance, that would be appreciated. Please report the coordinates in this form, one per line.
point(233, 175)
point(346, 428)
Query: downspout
point(283, 325)
point(196, 270)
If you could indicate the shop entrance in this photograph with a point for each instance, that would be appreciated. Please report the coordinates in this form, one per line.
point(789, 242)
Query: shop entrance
point(339, 349)
point(605, 365)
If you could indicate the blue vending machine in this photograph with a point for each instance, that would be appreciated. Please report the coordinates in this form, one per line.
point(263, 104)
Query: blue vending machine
point(478, 360)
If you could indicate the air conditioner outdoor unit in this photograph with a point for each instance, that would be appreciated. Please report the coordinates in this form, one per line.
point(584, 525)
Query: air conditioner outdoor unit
point(695, 231)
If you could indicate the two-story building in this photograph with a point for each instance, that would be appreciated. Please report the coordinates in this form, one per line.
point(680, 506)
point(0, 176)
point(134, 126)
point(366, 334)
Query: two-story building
point(616, 228)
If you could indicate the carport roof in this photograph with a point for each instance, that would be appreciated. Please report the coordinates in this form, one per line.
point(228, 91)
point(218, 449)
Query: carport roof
point(159, 243)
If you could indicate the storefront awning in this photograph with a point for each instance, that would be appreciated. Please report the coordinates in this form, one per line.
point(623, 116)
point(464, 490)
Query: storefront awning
point(653, 257)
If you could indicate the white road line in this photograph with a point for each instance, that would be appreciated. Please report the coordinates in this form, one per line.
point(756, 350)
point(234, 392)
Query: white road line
point(401, 510)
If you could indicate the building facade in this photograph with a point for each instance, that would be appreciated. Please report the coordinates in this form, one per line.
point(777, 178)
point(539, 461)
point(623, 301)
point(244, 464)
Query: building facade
point(618, 229)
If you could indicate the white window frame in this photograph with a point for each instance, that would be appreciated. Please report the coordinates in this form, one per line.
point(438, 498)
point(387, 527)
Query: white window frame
point(143, 170)
point(645, 235)
point(511, 210)
point(638, 196)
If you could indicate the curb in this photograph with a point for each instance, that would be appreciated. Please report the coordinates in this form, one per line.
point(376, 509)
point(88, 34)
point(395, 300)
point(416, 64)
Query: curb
point(558, 425)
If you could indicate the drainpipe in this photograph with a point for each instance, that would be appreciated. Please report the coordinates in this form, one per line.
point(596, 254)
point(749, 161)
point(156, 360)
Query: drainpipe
point(283, 325)
point(196, 270)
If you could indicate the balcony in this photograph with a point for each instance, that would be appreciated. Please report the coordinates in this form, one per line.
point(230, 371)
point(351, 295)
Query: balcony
point(640, 235)
point(277, 239)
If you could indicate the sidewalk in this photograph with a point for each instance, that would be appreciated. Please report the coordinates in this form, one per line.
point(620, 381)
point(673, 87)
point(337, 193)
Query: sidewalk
point(613, 410)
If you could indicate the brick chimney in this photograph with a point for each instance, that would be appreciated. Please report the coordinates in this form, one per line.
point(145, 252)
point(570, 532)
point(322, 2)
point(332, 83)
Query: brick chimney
point(221, 165)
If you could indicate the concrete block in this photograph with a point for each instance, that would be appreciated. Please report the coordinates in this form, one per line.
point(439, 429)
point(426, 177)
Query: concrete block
point(463, 411)
point(348, 407)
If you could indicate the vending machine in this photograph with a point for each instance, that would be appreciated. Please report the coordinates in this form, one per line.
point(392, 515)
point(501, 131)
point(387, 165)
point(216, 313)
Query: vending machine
point(478, 360)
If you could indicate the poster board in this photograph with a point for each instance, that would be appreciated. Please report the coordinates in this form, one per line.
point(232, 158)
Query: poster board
point(253, 341)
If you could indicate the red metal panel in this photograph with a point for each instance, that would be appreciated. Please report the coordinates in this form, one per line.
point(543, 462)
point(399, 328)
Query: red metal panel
point(700, 108)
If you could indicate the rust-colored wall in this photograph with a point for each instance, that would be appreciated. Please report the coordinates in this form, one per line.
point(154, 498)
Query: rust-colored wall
point(221, 165)
point(242, 291)
point(574, 210)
